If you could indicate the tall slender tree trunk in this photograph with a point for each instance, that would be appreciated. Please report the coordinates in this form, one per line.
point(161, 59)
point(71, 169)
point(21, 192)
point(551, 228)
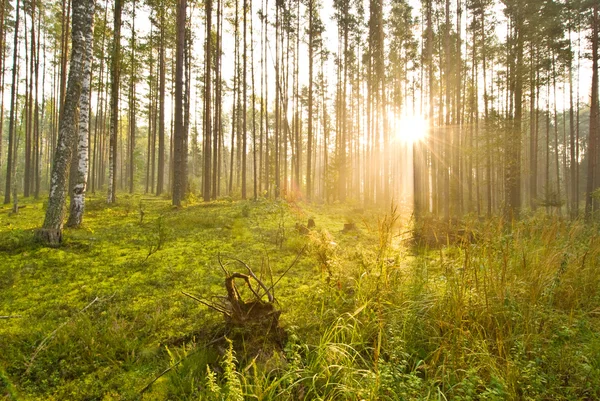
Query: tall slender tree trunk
point(28, 181)
point(266, 102)
point(309, 144)
point(277, 133)
point(37, 146)
point(151, 101)
point(254, 161)
point(217, 131)
point(533, 140)
point(132, 105)
point(590, 202)
point(179, 179)
point(573, 162)
point(513, 159)
point(2, 70)
point(234, 108)
point(488, 146)
point(51, 232)
point(160, 174)
point(207, 103)
point(114, 104)
point(66, 15)
point(245, 102)
point(556, 152)
point(77, 205)
point(11, 123)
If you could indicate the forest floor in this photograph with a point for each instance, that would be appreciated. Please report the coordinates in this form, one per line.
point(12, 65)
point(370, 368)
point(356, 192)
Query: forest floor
point(494, 313)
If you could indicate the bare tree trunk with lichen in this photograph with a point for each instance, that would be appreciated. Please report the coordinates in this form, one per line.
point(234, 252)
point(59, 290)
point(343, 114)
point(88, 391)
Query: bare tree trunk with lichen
point(51, 231)
point(78, 191)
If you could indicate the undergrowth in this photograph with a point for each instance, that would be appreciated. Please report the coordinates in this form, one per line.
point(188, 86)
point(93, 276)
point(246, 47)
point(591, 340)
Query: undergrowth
point(512, 313)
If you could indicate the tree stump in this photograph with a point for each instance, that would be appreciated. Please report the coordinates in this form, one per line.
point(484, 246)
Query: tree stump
point(302, 229)
point(348, 227)
point(254, 322)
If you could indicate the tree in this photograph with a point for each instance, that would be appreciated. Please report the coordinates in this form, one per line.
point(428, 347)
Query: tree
point(11, 125)
point(51, 231)
point(81, 173)
point(115, 70)
point(207, 103)
point(160, 179)
point(309, 146)
point(592, 177)
point(132, 103)
point(179, 176)
point(515, 10)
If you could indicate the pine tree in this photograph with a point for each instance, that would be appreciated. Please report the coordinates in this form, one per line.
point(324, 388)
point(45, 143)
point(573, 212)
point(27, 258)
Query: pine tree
point(115, 71)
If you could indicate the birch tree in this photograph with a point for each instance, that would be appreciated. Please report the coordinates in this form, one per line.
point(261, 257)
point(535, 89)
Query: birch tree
point(78, 192)
point(51, 231)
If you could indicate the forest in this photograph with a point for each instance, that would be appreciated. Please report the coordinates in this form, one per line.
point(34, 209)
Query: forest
point(299, 199)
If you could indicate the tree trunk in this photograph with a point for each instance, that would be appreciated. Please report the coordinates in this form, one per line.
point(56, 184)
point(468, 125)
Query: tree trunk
point(309, 145)
point(179, 179)
point(573, 162)
point(160, 179)
point(217, 130)
point(51, 232)
point(207, 104)
point(590, 202)
point(132, 111)
point(81, 173)
point(513, 156)
point(11, 124)
point(114, 104)
point(245, 101)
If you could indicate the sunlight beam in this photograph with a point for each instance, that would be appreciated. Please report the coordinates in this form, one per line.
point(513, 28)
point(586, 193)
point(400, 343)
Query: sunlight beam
point(411, 129)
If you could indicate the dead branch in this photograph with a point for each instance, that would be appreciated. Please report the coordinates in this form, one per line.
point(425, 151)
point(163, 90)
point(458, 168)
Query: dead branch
point(251, 273)
point(247, 280)
point(218, 308)
point(221, 264)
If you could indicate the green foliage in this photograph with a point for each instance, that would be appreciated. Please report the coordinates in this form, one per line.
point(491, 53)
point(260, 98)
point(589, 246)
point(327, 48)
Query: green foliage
point(231, 388)
point(511, 314)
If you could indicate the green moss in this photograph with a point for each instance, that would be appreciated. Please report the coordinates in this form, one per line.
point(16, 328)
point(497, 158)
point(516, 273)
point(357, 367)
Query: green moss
point(512, 315)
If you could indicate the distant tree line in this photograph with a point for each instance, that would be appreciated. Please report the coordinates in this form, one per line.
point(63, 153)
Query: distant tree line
point(251, 99)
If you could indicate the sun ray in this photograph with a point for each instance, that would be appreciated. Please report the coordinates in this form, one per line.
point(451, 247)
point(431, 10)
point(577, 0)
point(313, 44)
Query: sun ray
point(411, 129)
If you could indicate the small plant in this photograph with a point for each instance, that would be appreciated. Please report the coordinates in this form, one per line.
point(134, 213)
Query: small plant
point(231, 387)
point(280, 234)
point(385, 229)
point(246, 210)
point(159, 237)
point(142, 213)
point(325, 249)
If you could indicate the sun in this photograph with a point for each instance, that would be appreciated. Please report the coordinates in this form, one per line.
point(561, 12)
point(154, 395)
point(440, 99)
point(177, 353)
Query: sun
point(411, 129)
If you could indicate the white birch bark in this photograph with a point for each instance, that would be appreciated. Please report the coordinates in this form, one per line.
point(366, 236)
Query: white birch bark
point(51, 232)
point(78, 194)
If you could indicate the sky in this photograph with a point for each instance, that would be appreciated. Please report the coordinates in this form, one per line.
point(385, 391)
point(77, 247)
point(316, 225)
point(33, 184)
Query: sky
point(331, 40)
point(142, 25)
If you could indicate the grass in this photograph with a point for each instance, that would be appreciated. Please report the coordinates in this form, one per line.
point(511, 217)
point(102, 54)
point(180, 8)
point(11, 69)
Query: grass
point(512, 314)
